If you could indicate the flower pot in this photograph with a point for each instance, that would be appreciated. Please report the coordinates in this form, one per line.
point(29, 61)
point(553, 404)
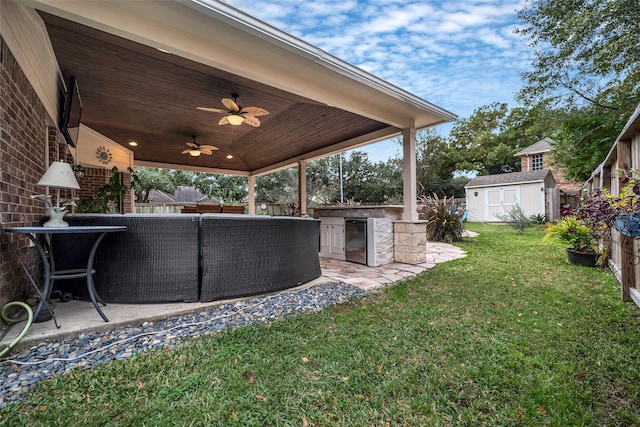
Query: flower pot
point(586, 259)
point(628, 224)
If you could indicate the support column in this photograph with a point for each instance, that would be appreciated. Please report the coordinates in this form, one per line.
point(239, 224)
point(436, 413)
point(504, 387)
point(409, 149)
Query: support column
point(252, 194)
point(409, 186)
point(302, 187)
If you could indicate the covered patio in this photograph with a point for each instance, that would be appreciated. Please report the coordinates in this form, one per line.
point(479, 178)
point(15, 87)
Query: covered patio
point(142, 70)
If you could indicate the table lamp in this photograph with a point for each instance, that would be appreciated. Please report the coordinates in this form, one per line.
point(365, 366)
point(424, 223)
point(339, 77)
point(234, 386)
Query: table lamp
point(59, 175)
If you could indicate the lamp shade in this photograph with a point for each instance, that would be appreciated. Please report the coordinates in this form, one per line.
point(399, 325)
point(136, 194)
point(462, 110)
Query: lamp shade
point(235, 119)
point(59, 175)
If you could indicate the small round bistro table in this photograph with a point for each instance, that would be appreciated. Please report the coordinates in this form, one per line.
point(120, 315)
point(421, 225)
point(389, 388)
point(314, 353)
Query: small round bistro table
point(42, 312)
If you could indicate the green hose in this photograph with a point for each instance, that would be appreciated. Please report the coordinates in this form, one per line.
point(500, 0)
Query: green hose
point(9, 321)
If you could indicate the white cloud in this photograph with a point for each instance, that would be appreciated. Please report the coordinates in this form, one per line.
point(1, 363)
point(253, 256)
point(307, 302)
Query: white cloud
point(459, 55)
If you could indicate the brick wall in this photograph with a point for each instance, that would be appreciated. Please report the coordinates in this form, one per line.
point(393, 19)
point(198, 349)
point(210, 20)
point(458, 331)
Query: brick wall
point(22, 162)
point(561, 182)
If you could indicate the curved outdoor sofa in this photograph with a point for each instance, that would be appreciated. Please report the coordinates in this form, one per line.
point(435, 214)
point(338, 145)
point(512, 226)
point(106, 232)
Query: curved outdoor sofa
point(246, 254)
point(193, 257)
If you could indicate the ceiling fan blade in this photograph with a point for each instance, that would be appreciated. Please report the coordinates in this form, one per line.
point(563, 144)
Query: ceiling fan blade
point(230, 104)
point(207, 152)
point(255, 111)
point(252, 121)
point(208, 147)
point(224, 121)
point(191, 144)
point(186, 151)
point(211, 110)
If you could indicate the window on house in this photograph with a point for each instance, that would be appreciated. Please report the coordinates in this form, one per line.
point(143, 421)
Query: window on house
point(536, 162)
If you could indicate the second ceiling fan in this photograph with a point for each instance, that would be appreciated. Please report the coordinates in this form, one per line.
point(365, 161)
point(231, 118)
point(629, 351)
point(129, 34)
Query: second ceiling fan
point(196, 149)
point(236, 115)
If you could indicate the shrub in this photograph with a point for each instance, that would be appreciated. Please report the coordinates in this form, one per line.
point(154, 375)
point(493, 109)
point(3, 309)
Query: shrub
point(572, 231)
point(516, 218)
point(538, 219)
point(443, 222)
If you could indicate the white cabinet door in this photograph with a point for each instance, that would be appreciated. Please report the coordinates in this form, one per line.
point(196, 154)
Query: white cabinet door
point(337, 239)
point(325, 239)
point(332, 237)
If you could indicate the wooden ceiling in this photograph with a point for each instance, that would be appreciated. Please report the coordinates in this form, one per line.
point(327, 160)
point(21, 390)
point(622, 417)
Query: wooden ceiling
point(133, 92)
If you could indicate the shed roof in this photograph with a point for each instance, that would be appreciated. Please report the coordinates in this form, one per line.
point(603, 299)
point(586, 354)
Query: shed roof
point(541, 146)
point(509, 178)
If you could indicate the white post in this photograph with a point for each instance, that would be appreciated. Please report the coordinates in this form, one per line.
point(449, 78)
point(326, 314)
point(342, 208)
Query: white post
point(302, 187)
point(409, 186)
point(252, 194)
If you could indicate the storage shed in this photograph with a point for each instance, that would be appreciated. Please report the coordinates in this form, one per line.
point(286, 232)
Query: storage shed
point(492, 195)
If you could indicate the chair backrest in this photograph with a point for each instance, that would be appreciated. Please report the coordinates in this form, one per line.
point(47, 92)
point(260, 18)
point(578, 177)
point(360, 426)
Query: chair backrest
point(207, 209)
point(233, 209)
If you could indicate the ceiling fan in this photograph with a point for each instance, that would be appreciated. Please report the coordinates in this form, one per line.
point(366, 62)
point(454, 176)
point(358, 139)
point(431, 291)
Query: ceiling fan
point(196, 149)
point(236, 115)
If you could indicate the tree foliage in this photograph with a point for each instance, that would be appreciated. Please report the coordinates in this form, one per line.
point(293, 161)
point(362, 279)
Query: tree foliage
point(486, 142)
point(153, 179)
point(586, 70)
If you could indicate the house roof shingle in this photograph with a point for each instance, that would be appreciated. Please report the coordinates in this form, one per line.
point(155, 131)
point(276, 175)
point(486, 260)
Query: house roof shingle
point(509, 178)
point(541, 146)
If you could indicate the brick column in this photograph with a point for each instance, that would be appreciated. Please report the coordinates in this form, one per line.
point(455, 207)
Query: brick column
point(410, 241)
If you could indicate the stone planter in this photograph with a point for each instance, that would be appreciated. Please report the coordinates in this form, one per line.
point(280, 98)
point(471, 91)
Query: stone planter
point(582, 258)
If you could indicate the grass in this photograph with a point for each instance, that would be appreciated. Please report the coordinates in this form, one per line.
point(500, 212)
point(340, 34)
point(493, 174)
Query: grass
point(511, 335)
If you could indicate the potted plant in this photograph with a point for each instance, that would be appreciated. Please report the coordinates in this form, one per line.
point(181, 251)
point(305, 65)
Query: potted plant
point(582, 245)
point(108, 197)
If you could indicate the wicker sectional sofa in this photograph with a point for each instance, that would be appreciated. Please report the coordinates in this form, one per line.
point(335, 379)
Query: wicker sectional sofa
point(193, 257)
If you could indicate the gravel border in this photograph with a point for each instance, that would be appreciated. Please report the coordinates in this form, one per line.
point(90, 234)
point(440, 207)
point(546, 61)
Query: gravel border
point(24, 370)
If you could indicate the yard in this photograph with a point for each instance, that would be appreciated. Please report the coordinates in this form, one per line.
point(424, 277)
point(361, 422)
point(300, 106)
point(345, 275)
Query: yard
point(509, 335)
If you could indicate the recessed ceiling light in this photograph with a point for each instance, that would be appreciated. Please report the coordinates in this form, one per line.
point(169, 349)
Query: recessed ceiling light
point(229, 156)
point(133, 144)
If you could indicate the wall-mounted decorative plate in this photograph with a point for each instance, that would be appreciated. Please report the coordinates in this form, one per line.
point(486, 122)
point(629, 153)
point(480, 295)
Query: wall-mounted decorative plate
point(104, 155)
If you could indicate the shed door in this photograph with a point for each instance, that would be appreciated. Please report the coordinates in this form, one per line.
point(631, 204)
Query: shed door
point(501, 200)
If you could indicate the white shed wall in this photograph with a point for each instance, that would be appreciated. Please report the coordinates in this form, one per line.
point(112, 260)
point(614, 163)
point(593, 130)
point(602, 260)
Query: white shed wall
point(482, 207)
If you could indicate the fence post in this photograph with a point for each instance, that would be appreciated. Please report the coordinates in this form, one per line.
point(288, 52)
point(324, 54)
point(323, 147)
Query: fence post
point(626, 266)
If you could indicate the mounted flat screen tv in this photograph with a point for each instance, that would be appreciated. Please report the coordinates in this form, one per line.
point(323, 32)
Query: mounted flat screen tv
point(72, 110)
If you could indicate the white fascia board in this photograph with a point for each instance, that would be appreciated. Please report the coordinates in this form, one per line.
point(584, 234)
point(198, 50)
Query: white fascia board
point(504, 184)
point(143, 163)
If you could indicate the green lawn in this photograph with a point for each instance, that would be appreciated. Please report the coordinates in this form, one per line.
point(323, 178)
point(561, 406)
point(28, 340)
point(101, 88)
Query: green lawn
point(509, 335)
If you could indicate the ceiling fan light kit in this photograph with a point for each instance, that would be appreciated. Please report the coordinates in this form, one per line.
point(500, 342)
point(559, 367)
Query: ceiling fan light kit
point(236, 115)
point(235, 119)
point(196, 149)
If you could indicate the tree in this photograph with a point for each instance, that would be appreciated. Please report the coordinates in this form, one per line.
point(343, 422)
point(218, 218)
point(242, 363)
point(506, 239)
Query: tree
point(587, 69)
point(487, 141)
point(583, 140)
point(153, 179)
point(228, 188)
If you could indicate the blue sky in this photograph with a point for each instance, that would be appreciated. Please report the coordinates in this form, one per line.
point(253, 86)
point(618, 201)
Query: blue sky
point(459, 55)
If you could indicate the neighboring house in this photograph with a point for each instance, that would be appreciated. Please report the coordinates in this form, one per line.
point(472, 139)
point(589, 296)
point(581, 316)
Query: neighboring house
point(492, 195)
point(161, 202)
point(625, 251)
point(538, 156)
point(182, 195)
